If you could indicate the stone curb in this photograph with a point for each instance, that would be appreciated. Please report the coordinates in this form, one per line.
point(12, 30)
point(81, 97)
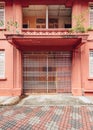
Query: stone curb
point(9, 100)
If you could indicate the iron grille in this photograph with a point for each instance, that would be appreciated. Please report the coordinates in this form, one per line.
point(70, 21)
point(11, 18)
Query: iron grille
point(47, 72)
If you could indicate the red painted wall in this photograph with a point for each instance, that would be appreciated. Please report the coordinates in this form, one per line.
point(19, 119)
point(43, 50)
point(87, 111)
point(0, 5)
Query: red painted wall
point(12, 85)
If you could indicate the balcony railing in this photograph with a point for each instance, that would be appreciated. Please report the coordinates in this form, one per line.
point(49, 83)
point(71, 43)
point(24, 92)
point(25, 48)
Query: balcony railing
point(48, 33)
point(45, 31)
point(59, 33)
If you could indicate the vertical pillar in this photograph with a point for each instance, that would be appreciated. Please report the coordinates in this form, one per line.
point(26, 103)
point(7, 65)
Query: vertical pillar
point(82, 8)
point(46, 17)
point(17, 15)
point(76, 73)
point(76, 8)
point(17, 72)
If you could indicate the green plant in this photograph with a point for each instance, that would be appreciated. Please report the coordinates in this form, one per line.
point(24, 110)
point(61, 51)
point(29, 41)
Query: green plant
point(90, 28)
point(79, 23)
point(71, 30)
point(12, 26)
point(1, 23)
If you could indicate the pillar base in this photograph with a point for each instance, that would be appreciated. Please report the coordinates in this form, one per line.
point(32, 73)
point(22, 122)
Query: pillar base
point(76, 92)
point(10, 92)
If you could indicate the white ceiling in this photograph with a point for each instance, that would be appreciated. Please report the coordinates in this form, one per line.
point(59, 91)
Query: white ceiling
point(53, 10)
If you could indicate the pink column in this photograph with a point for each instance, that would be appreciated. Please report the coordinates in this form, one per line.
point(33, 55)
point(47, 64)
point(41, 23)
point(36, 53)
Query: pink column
point(17, 72)
point(76, 73)
point(17, 15)
point(80, 7)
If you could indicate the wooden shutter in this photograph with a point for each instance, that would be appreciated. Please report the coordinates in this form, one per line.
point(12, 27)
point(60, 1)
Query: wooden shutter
point(2, 12)
point(91, 16)
point(2, 64)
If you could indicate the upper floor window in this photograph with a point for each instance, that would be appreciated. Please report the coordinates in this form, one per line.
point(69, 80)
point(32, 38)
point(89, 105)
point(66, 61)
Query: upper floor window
point(2, 15)
point(91, 63)
point(91, 15)
point(47, 16)
point(2, 64)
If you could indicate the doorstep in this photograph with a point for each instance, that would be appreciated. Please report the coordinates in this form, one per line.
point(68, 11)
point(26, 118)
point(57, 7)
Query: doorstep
point(43, 100)
point(55, 100)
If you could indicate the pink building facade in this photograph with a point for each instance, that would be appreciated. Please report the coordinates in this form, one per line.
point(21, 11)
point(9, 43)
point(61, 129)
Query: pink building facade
point(40, 53)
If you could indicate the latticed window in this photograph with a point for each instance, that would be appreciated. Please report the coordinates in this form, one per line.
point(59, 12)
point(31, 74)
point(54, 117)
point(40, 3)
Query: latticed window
point(2, 15)
point(91, 63)
point(2, 64)
point(91, 15)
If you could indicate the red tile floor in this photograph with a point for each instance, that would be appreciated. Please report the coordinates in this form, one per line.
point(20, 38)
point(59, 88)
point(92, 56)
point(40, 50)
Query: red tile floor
point(46, 118)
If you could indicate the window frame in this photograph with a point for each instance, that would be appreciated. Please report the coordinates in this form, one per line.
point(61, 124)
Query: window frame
point(90, 62)
point(4, 15)
point(90, 5)
point(3, 76)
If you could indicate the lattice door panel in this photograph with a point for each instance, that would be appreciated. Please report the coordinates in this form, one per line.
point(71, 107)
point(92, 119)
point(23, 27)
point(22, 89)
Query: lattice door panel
point(35, 73)
point(59, 72)
point(47, 72)
point(63, 73)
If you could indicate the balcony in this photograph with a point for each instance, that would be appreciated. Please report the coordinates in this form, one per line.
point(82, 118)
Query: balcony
point(53, 33)
point(49, 33)
point(47, 39)
point(49, 21)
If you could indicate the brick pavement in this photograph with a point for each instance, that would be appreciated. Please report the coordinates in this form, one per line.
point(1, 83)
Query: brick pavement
point(46, 118)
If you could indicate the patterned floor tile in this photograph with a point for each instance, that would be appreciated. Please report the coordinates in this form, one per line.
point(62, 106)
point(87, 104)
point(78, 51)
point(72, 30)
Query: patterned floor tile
point(46, 118)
